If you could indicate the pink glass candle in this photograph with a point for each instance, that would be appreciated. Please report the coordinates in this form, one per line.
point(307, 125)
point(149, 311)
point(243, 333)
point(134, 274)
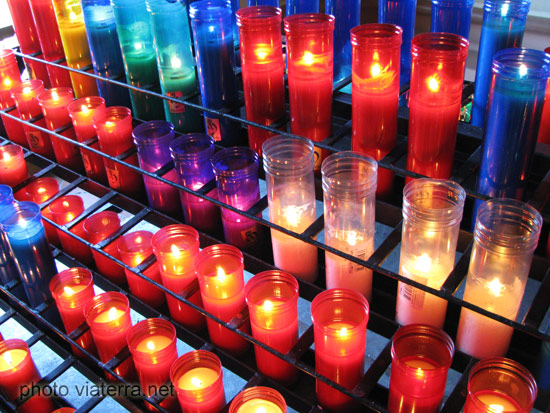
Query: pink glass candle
point(437, 75)
point(97, 227)
point(13, 168)
point(114, 131)
point(39, 191)
point(198, 379)
point(340, 319)
point(421, 357)
point(272, 298)
point(134, 248)
point(375, 93)
point(258, 399)
point(310, 56)
point(9, 78)
point(64, 210)
point(175, 247)
point(219, 269)
point(500, 385)
point(54, 104)
point(82, 112)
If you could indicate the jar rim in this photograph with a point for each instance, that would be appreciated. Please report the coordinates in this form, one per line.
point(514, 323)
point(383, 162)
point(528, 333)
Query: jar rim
point(288, 156)
point(308, 23)
point(508, 8)
point(208, 10)
point(339, 294)
point(521, 64)
point(239, 161)
point(201, 144)
point(258, 17)
point(345, 162)
point(376, 35)
point(444, 46)
point(90, 102)
point(153, 132)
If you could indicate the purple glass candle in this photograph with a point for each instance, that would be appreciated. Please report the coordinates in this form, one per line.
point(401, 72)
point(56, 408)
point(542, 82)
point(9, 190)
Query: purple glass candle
point(191, 154)
point(236, 172)
point(152, 140)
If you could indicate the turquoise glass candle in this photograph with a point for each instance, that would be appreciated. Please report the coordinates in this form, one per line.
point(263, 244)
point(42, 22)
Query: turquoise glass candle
point(452, 16)
point(175, 62)
point(140, 62)
point(8, 271)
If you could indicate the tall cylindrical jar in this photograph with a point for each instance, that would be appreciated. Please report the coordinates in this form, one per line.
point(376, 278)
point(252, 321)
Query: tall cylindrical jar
point(437, 77)
point(288, 165)
point(544, 130)
point(432, 211)
point(349, 188)
point(212, 26)
point(175, 61)
point(502, 28)
point(301, 6)
point(263, 69)
point(513, 116)
point(8, 270)
point(375, 94)
point(273, 3)
point(452, 16)
point(505, 236)
point(309, 45)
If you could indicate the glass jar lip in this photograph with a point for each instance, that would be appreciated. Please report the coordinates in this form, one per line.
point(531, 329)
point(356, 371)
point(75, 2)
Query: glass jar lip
point(275, 277)
point(165, 233)
point(377, 35)
point(45, 180)
point(521, 64)
point(239, 162)
point(90, 102)
point(215, 251)
point(308, 23)
point(165, 6)
point(12, 150)
point(340, 294)
point(112, 113)
point(258, 17)
point(507, 8)
point(125, 243)
point(58, 206)
point(81, 276)
point(15, 344)
point(100, 302)
point(459, 3)
point(6, 195)
point(91, 223)
point(209, 10)
point(27, 210)
point(192, 146)
point(348, 161)
point(153, 132)
point(46, 97)
point(278, 153)
point(261, 392)
point(443, 46)
point(149, 327)
point(196, 357)
point(32, 85)
point(6, 54)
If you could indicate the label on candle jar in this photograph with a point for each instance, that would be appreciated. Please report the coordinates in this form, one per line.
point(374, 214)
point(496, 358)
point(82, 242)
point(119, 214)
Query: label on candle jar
point(317, 156)
point(213, 128)
point(86, 162)
point(35, 140)
point(113, 177)
point(250, 236)
point(360, 253)
point(412, 294)
point(175, 107)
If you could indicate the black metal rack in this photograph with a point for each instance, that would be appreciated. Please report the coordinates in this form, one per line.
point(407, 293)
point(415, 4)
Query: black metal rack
point(372, 392)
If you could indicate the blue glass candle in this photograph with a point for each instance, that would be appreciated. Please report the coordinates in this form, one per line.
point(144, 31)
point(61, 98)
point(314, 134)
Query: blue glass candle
point(236, 172)
point(33, 257)
point(105, 50)
point(502, 28)
point(452, 16)
point(302, 6)
point(213, 38)
point(192, 154)
point(153, 140)
point(401, 13)
point(140, 61)
point(8, 270)
point(274, 3)
point(513, 117)
point(176, 63)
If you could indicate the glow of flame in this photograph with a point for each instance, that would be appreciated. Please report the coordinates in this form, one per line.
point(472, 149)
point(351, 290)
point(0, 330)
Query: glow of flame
point(352, 238)
point(7, 82)
point(175, 250)
point(175, 62)
point(424, 263)
point(262, 52)
point(496, 407)
point(375, 70)
point(496, 287)
point(522, 70)
point(26, 90)
point(261, 409)
point(343, 332)
point(22, 222)
point(72, 16)
point(55, 96)
point(7, 358)
point(138, 46)
point(221, 274)
point(308, 58)
point(109, 124)
point(195, 381)
point(68, 291)
point(504, 12)
point(41, 190)
point(433, 83)
point(84, 109)
point(6, 157)
point(112, 314)
point(65, 204)
point(138, 240)
point(268, 305)
point(150, 345)
point(292, 216)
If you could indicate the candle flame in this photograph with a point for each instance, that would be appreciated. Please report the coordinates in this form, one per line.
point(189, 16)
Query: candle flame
point(72, 16)
point(27, 90)
point(504, 10)
point(22, 222)
point(195, 381)
point(7, 82)
point(352, 238)
point(68, 291)
point(112, 314)
point(65, 204)
point(496, 407)
point(261, 409)
point(176, 62)
point(292, 216)
point(268, 305)
point(522, 70)
point(109, 124)
point(262, 52)
point(343, 332)
point(151, 345)
point(221, 274)
point(496, 287)
point(6, 157)
point(84, 109)
point(7, 358)
point(55, 96)
point(175, 250)
point(424, 263)
point(41, 190)
point(138, 240)
point(138, 46)
point(375, 70)
point(433, 83)
point(308, 58)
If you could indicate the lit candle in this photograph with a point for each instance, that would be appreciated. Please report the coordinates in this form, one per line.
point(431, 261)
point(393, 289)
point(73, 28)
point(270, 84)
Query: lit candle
point(13, 168)
point(175, 247)
point(219, 269)
point(39, 191)
point(421, 357)
point(198, 379)
point(134, 248)
point(258, 399)
point(340, 319)
point(9, 78)
point(272, 298)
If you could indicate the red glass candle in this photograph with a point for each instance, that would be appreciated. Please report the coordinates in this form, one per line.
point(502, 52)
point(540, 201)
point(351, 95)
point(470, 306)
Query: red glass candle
point(421, 357)
point(97, 227)
point(10, 77)
point(72, 289)
point(39, 191)
point(437, 76)
point(500, 385)
point(50, 40)
point(13, 168)
point(64, 210)
point(152, 343)
point(263, 69)
point(108, 315)
point(175, 247)
point(54, 104)
point(82, 112)
point(25, 96)
point(114, 131)
point(310, 56)
point(134, 248)
point(17, 370)
point(220, 269)
point(340, 319)
point(198, 379)
point(544, 130)
point(375, 93)
point(258, 399)
point(272, 298)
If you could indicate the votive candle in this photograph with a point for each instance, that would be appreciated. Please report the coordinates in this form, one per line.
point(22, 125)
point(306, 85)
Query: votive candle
point(258, 399)
point(8, 270)
point(39, 191)
point(13, 168)
point(9, 78)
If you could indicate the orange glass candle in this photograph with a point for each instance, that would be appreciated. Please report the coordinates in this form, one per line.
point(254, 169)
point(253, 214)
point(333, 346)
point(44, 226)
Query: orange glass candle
point(13, 168)
point(39, 191)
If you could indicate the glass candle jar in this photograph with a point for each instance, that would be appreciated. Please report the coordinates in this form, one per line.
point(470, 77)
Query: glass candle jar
point(505, 237)
point(13, 168)
point(310, 58)
point(39, 191)
point(502, 28)
point(421, 357)
point(513, 116)
point(340, 319)
point(544, 129)
point(288, 165)
point(452, 16)
point(258, 399)
point(9, 78)
point(212, 26)
point(349, 188)
point(432, 211)
point(272, 298)
point(237, 180)
point(152, 140)
point(8, 270)
point(437, 76)
point(191, 154)
point(375, 94)
point(263, 69)
point(301, 6)
point(273, 3)
point(175, 62)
